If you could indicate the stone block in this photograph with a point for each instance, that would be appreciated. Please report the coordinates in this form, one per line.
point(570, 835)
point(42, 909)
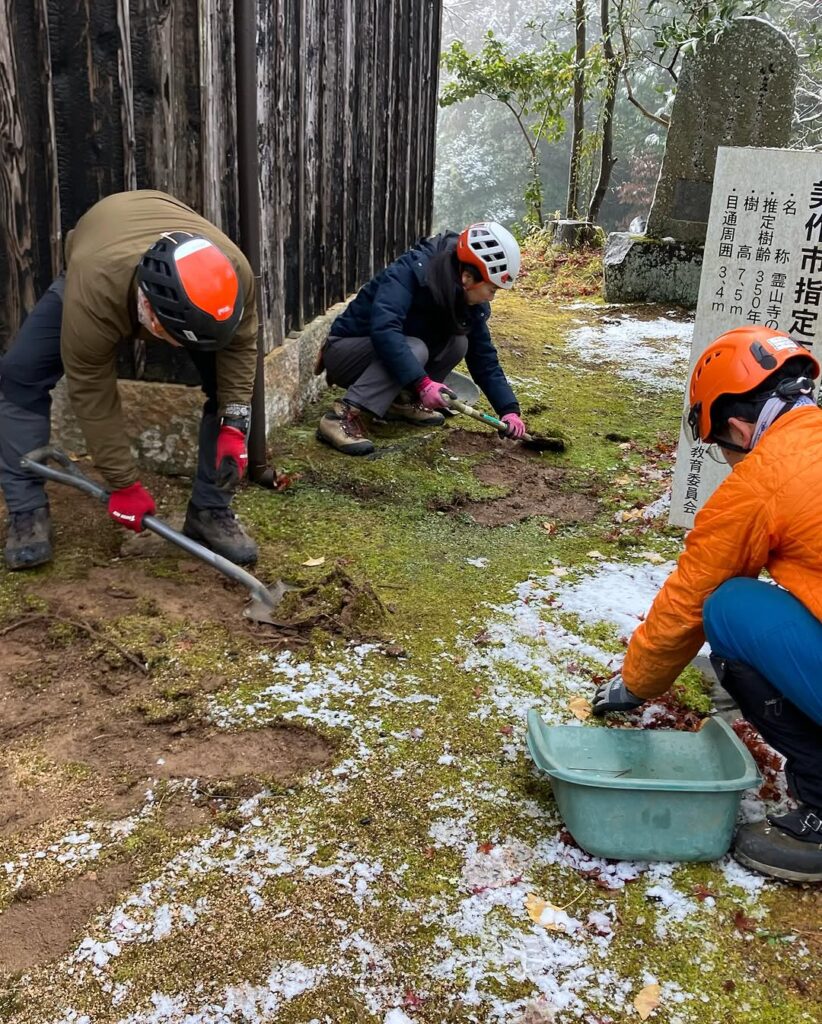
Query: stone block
point(639, 269)
point(735, 91)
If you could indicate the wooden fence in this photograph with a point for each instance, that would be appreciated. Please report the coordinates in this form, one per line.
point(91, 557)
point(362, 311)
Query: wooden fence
point(97, 96)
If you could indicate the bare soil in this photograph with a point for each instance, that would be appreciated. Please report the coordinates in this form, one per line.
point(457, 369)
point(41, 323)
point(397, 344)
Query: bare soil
point(535, 487)
point(82, 729)
point(39, 929)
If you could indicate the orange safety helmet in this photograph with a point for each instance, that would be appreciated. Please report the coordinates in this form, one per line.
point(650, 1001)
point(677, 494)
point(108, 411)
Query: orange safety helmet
point(740, 361)
point(194, 290)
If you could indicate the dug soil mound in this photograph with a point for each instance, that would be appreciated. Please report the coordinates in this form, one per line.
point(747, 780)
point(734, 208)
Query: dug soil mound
point(534, 487)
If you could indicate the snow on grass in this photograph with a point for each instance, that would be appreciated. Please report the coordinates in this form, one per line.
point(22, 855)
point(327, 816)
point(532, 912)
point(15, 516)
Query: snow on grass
point(653, 353)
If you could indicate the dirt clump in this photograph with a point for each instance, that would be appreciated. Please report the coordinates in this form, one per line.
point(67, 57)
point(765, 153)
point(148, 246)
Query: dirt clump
point(535, 487)
point(335, 603)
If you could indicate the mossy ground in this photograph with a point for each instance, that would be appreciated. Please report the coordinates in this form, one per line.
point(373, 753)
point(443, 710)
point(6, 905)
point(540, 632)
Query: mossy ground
point(362, 872)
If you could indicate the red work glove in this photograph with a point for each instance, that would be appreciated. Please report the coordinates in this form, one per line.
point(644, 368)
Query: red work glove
point(232, 458)
point(433, 394)
point(516, 428)
point(128, 506)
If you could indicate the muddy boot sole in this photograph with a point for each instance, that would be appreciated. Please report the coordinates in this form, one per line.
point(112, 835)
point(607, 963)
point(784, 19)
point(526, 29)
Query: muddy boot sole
point(785, 874)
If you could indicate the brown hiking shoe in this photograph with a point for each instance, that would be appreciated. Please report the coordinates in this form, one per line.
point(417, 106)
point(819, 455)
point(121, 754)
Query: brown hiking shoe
point(28, 542)
point(219, 530)
point(342, 427)
point(405, 408)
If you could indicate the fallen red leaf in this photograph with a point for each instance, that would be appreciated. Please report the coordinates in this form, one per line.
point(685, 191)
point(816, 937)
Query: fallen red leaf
point(412, 1000)
point(485, 847)
point(744, 923)
point(429, 852)
point(702, 892)
point(507, 730)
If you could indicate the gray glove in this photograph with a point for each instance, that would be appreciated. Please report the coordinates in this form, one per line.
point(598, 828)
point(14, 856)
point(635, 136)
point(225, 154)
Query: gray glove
point(615, 696)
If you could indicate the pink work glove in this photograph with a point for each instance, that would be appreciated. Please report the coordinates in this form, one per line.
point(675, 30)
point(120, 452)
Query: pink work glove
point(516, 428)
point(128, 506)
point(433, 394)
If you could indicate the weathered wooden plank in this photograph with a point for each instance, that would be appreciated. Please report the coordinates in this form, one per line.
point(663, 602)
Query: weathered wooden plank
point(218, 113)
point(349, 170)
point(313, 50)
point(85, 48)
point(364, 138)
point(335, 118)
point(28, 208)
point(383, 83)
point(433, 93)
point(165, 54)
point(401, 131)
point(274, 199)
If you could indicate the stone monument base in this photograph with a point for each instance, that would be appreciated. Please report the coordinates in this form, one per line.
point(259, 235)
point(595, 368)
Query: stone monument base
point(162, 420)
point(640, 269)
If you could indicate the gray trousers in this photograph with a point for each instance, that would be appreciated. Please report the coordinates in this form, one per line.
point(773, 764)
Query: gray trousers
point(28, 373)
point(352, 363)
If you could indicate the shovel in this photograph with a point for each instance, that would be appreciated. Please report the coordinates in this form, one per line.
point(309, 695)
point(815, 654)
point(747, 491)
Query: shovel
point(262, 602)
point(467, 392)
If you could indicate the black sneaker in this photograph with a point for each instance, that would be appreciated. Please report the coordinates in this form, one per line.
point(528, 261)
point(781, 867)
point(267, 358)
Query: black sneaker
point(219, 530)
point(28, 542)
point(786, 846)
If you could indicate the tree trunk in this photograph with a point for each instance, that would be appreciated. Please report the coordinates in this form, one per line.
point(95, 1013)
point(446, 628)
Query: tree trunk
point(572, 204)
point(606, 155)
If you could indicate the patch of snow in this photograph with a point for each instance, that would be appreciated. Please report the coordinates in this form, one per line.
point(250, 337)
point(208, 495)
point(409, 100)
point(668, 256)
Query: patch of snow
point(652, 353)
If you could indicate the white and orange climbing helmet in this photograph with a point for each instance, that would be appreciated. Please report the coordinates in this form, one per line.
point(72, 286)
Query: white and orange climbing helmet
point(493, 250)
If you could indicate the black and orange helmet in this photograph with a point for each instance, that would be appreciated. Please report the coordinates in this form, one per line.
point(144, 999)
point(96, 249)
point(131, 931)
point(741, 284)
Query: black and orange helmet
point(193, 289)
point(739, 362)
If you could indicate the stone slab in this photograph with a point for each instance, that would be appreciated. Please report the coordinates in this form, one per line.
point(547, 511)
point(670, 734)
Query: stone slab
point(736, 91)
point(639, 269)
point(763, 265)
point(163, 419)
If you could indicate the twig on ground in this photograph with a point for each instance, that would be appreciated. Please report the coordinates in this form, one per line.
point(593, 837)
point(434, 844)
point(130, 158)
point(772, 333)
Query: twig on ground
point(84, 626)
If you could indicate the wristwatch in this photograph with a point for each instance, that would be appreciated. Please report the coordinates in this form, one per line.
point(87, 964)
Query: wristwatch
point(236, 415)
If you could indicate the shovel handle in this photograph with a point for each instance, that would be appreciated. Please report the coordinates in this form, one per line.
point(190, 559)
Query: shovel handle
point(483, 417)
point(36, 462)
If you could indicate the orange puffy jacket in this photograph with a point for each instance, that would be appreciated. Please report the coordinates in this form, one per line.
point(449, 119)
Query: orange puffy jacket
point(766, 515)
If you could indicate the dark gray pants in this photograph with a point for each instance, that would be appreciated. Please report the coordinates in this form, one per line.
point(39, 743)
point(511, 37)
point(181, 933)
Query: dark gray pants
point(28, 373)
point(352, 363)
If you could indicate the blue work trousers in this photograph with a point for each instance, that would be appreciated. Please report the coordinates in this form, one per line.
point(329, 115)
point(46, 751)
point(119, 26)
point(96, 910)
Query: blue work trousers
point(767, 648)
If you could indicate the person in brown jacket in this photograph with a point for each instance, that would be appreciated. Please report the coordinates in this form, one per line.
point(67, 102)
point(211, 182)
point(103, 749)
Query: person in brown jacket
point(138, 264)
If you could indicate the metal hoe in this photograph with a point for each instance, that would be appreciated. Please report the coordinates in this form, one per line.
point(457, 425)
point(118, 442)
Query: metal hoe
point(459, 384)
point(262, 602)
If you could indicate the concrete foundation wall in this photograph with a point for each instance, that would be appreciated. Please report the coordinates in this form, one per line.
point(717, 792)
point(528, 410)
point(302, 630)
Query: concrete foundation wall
point(163, 419)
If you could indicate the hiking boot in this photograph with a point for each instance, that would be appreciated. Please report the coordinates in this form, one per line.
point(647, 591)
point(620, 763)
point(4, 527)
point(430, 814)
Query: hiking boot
point(342, 427)
point(219, 530)
point(787, 846)
point(405, 408)
point(28, 542)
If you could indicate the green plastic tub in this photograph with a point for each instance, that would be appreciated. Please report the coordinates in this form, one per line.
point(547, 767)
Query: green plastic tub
point(645, 794)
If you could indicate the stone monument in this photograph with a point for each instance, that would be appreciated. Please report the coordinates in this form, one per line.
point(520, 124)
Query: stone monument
point(736, 91)
point(763, 265)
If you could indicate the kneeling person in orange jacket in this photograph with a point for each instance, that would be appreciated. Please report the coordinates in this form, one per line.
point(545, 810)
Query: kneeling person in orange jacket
point(751, 395)
point(138, 264)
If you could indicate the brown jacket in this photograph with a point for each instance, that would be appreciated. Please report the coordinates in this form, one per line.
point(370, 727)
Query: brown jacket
point(100, 311)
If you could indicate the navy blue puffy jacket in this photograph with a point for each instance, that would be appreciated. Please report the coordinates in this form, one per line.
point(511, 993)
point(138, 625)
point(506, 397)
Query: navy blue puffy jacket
point(397, 304)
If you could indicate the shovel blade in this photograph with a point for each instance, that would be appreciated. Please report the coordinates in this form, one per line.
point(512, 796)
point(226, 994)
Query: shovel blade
point(261, 609)
point(544, 444)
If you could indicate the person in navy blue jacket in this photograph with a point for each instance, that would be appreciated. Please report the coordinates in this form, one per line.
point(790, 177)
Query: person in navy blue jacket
point(410, 326)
